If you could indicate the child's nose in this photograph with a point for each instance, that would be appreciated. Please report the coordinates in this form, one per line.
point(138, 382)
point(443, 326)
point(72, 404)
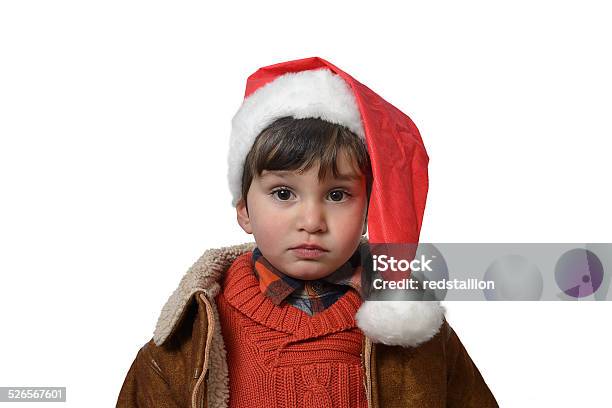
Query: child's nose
point(312, 217)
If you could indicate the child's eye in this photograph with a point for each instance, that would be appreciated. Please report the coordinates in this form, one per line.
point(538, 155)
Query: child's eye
point(337, 195)
point(282, 193)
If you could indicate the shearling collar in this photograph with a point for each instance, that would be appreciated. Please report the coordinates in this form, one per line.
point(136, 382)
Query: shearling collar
point(402, 323)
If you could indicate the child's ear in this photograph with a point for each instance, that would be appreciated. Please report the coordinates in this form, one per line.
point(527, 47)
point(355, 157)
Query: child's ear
point(242, 216)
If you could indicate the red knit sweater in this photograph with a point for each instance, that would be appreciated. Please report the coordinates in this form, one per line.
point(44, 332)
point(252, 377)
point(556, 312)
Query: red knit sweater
point(279, 356)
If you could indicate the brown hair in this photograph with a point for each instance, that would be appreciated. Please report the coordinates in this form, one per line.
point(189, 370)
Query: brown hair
point(297, 144)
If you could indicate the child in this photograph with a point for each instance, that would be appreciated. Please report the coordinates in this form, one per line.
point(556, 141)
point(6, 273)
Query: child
point(316, 160)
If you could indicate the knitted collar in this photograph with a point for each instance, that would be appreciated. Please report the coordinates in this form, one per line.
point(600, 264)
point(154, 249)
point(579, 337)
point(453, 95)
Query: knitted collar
point(321, 293)
point(240, 288)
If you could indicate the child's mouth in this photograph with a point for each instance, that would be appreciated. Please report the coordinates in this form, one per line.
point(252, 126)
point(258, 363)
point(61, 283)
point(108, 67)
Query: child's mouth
point(308, 252)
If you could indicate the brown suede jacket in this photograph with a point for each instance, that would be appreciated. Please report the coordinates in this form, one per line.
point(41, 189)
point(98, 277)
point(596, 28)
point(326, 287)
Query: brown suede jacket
point(417, 362)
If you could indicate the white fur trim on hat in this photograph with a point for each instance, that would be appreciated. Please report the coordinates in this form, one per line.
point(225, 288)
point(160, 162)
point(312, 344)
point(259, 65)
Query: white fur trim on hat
point(317, 93)
point(400, 323)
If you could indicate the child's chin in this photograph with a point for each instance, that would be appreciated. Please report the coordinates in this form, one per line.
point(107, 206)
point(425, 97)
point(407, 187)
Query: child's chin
point(308, 273)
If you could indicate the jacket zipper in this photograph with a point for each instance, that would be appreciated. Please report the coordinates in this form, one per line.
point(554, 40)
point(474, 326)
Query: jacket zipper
point(204, 374)
point(368, 370)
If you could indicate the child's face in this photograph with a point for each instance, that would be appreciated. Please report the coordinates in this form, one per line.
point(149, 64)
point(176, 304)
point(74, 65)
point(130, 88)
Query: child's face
point(286, 209)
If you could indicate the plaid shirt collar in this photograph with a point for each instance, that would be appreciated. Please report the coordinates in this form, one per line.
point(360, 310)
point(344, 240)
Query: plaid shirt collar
point(277, 286)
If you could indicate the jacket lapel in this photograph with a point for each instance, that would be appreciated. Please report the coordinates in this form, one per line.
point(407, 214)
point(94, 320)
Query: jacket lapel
point(203, 276)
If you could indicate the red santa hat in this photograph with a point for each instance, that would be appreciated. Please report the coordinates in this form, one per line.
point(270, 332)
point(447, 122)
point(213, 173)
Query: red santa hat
point(315, 88)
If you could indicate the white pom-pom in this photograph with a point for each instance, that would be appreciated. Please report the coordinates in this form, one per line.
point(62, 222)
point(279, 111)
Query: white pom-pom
point(400, 323)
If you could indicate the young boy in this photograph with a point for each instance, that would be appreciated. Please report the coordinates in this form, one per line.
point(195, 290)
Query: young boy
point(316, 160)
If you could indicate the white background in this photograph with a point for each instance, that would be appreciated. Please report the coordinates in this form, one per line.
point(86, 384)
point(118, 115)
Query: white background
point(114, 123)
